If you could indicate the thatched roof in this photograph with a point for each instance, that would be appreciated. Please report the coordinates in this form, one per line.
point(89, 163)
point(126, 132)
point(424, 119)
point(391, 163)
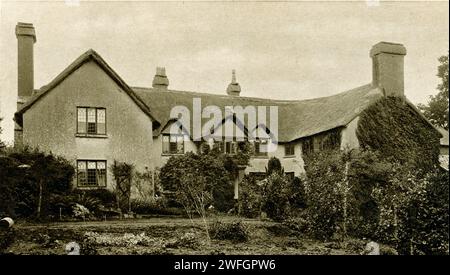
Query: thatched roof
point(296, 118)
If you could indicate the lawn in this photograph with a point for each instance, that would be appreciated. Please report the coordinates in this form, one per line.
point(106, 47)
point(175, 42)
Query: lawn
point(168, 236)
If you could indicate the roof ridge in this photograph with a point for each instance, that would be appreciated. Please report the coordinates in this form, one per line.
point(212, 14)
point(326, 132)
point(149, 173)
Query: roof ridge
point(365, 86)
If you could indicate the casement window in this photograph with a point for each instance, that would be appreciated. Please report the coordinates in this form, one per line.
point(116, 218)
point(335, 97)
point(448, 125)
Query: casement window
point(289, 149)
point(91, 173)
point(261, 147)
point(173, 144)
point(229, 147)
point(91, 121)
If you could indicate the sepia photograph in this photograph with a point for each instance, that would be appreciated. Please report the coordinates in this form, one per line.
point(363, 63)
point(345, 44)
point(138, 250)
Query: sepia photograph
point(240, 130)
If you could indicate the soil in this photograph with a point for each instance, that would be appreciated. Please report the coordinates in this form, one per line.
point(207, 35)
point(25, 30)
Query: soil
point(167, 236)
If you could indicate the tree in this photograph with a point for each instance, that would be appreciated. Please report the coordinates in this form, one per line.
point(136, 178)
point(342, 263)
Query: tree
point(123, 175)
point(36, 181)
point(1, 142)
point(436, 110)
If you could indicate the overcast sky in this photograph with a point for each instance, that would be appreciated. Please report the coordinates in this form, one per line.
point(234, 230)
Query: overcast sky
point(284, 50)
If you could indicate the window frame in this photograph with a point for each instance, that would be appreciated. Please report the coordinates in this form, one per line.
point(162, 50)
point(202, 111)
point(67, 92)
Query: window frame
point(97, 185)
point(287, 150)
point(86, 133)
point(258, 153)
point(169, 152)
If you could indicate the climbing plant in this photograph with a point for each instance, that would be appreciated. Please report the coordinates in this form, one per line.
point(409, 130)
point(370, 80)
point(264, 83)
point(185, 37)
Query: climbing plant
point(394, 129)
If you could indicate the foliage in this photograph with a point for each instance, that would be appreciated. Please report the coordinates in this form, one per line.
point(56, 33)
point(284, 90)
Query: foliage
point(325, 171)
point(394, 129)
point(200, 173)
point(2, 145)
point(147, 184)
point(250, 197)
point(414, 212)
point(366, 195)
point(436, 110)
point(123, 175)
point(274, 166)
point(33, 180)
point(297, 193)
point(235, 231)
point(79, 211)
point(156, 206)
point(276, 197)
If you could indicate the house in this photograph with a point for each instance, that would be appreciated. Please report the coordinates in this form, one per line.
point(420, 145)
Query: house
point(90, 115)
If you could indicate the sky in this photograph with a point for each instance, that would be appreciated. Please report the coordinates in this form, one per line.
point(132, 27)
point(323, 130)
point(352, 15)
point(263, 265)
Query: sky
point(280, 50)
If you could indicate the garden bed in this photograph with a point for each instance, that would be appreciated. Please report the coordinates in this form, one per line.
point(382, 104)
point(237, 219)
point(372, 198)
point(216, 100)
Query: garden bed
point(167, 236)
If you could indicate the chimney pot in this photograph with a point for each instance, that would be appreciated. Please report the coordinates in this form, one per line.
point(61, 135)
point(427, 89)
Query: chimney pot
point(160, 81)
point(234, 89)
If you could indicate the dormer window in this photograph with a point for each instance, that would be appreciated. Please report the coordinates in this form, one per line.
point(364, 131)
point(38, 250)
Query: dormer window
point(261, 147)
point(91, 121)
point(172, 144)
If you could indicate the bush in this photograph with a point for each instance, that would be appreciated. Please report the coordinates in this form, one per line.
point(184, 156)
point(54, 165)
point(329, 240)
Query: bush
point(32, 180)
point(276, 197)
point(250, 197)
point(192, 176)
point(235, 231)
point(325, 172)
point(297, 193)
point(157, 206)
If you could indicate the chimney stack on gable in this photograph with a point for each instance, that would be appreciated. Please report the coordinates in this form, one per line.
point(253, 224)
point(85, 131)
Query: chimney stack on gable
point(160, 81)
point(26, 37)
point(387, 68)
point(234, 88)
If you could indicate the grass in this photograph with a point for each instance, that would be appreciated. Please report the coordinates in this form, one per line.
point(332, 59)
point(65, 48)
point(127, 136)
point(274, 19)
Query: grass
point(166, 236)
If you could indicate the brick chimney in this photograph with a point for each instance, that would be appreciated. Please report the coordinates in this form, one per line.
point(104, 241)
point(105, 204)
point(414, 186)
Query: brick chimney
point(387, 68)
point(26, 38)
point(160, 81)
point(233, 88)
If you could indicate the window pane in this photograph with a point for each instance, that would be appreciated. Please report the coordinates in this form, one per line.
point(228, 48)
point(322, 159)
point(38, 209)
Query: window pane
point(81, 175)
point(91, 128)
point(91, 173)
point(165, 144)
point(101, 121)
point(101, 173)
point(101, 115)
point(91, 115)
point(173, 147)
point(81, 120)
point(101, 128)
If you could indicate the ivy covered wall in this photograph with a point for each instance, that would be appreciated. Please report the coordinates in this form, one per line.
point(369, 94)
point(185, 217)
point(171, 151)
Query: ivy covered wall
point(392, 127)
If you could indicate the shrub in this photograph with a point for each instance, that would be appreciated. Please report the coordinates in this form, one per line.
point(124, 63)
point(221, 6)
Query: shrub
point(414, 212)
point(192, 176)
point(274, 166)
point(33, 179)
point(297, 193)
point(235, 231)
point(156, 206)
point(276, 197)
point(250, 197)
point(325, 172)
point(123, 176)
